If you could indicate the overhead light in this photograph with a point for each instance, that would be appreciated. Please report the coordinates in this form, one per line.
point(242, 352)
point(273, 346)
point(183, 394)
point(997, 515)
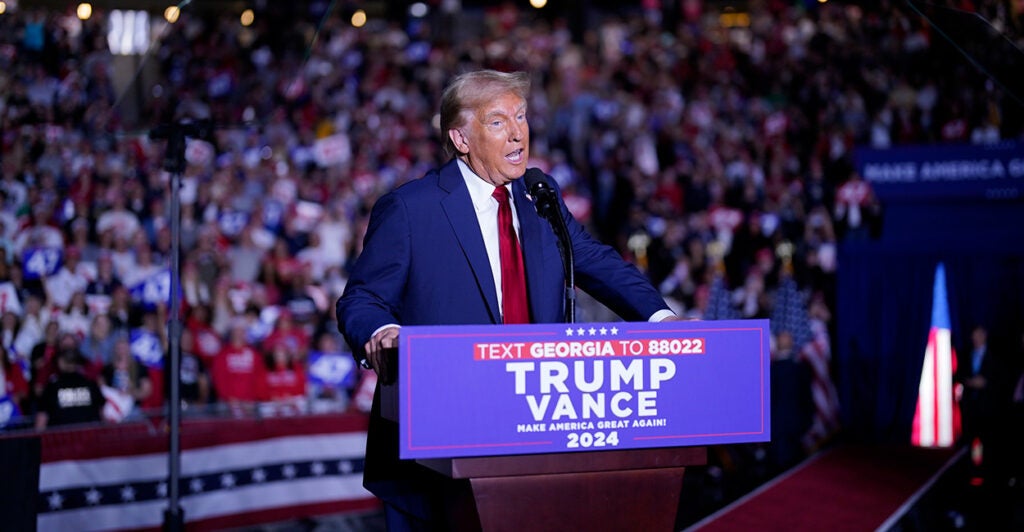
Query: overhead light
point(359, 18)
point(172, 13)
point(84, 11)
point(128, 32)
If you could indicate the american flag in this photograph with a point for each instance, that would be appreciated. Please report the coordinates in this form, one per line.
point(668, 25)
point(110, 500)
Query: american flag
point(812, 343)
point(789, 313)
point(937, 417)
point(233, 473)
point(817, 353)
point(720, 305)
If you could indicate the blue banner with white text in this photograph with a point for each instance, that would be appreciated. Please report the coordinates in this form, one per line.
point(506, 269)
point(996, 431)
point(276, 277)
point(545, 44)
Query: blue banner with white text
point(952, 171)
point(527, 389)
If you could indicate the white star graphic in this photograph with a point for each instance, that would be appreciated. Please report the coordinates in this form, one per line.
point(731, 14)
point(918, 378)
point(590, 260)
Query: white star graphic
point(288, 471)
point(604, 331)
point(259, 475)
point(56, 501)
point(227, 481)
point(345, 466)
point(317, 468)
point(592, 331)
point(196, 485)
point(580, 331)
point(93, 496)
point(568, 332)
point(127, 493)
point(615, 330)
point(161, 490)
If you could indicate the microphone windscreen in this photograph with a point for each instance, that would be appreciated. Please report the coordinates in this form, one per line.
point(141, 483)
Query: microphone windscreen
point(535, 180)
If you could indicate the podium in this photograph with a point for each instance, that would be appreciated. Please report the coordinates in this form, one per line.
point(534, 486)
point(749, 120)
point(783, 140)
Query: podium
point(602, 490)
point(555, 428)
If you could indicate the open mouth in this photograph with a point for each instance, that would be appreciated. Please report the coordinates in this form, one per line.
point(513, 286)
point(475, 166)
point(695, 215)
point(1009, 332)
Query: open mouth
point(516, 156)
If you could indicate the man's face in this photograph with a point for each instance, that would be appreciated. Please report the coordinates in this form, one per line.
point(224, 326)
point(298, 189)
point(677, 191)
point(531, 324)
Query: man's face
point(495, 141)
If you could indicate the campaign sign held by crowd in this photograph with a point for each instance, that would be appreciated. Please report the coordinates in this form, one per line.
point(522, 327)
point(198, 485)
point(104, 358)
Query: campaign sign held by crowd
point(526, 389)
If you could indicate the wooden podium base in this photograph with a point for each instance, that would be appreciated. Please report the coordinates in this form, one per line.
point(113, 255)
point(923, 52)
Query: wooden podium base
point(593, 491)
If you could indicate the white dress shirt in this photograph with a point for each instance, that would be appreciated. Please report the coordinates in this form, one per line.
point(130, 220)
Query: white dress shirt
point(486, 207)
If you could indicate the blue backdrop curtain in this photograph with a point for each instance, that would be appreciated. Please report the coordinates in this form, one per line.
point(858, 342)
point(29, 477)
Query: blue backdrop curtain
point(884, 303)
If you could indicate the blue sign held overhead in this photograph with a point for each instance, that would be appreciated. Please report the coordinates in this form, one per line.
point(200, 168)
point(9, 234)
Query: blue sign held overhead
point(38, 263)
point(146, 347)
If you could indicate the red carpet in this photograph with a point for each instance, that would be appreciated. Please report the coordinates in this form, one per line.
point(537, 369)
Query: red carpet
point(845, 488)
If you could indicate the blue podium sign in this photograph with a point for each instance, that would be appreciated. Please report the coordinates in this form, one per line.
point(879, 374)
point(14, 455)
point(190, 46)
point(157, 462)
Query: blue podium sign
point(528, 389)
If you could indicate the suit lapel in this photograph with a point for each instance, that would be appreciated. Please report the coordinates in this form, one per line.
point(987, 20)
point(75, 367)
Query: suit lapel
point(458, 207)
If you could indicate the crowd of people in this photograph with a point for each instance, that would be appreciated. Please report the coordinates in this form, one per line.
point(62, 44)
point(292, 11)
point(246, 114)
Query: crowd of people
point(715, 156)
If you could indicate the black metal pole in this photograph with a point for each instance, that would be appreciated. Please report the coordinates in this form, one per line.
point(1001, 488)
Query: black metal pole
point(569, 263)
point(175, 518)
point(174, 163)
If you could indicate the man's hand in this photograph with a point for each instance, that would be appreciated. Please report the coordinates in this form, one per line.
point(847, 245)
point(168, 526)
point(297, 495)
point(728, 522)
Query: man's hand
point(378, 349)
point(677, 318)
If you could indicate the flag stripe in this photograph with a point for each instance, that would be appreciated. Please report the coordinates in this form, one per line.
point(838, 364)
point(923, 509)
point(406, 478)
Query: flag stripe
point(199, 461)
point(224, 482)
point(944, 387)
point(208, 505)
point(137, 515)
point(274, 515)
point(275, 495)
point(927, 398)
point(132, 439)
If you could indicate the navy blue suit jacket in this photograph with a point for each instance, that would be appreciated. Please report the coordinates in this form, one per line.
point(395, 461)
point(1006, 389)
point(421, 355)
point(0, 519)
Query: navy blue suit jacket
point(424, 263)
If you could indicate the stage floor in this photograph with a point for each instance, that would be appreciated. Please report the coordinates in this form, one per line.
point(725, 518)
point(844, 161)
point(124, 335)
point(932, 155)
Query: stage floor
point(852, 487)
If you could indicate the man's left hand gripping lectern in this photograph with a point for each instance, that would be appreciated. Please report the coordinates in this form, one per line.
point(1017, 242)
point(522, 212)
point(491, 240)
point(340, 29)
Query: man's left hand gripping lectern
point(583, 426)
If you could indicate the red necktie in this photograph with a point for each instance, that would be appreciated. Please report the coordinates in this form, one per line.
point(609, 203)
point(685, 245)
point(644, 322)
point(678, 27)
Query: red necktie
point(513, 278)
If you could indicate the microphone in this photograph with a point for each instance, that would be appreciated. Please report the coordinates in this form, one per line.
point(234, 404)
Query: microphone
point(546, 201)
point(543, 194)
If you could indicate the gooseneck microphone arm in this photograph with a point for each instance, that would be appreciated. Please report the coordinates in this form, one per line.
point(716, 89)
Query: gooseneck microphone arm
point(546, 200)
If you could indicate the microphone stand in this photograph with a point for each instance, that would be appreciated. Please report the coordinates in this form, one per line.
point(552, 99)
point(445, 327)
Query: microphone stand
point(551, 212)
point(174, 162)
point(568, 264)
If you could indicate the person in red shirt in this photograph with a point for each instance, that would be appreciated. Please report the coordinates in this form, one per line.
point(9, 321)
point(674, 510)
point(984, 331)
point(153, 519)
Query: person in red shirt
point(287, 332)
point(285, 380)
point(239, 372)
point(206, 342)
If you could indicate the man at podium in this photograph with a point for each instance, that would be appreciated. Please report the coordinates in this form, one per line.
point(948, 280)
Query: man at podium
point(465, 245)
